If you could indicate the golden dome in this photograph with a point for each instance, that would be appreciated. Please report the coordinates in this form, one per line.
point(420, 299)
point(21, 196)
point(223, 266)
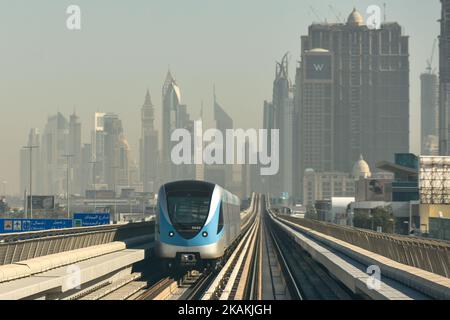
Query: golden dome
point(355, 19)
point(361, 169)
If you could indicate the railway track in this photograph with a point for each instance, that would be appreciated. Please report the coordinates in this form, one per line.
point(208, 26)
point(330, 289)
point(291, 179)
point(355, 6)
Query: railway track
point(279, 282)
point(233, 279)
point(264, 263)
point(305, 278)
point(122, 286)
point(154, 291)
point(230, 282)
point(236, 279)
point(196, 291)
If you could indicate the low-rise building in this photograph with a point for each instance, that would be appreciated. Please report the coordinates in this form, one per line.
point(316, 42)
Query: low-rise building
point(326, 185)
point(394, 190)
point(434, 193)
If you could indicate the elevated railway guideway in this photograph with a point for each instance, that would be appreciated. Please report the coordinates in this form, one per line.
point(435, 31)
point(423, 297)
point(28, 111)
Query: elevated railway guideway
point(17, 247)
point(117, 262)
point(408, 268)
point(70, 263)
point(235, 279)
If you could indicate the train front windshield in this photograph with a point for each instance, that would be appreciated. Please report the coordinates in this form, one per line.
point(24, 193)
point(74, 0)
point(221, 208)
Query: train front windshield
point(188, 211)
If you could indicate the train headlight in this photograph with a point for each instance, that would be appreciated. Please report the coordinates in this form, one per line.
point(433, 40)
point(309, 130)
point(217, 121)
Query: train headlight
point(171, 234)
point(205, 234)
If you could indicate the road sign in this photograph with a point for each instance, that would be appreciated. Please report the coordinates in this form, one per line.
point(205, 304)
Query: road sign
point(25, 225)
point(42, 202)
point(90, 219)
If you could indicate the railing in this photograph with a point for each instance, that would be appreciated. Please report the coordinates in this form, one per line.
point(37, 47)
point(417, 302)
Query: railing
point(22, 246)
point(430, 255)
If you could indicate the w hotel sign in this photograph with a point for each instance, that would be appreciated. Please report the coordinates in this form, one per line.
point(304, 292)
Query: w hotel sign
point(318, 65)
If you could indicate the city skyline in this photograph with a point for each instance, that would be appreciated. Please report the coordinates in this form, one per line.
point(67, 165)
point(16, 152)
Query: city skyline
point(225, 150)
point(126, 101)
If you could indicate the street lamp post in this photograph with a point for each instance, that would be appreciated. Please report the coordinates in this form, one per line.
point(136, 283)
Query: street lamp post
point(115, 196)
point(4, 188)
point(143, 208)
point(30, 147)
point(94, 163)
point(68, 156)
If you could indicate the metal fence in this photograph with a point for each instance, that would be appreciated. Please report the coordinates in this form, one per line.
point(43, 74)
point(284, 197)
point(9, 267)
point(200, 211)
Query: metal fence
point(430, 255)
point(22, 246)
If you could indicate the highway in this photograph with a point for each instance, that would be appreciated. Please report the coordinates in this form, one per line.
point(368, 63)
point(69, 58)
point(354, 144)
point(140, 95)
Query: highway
point(276, 257)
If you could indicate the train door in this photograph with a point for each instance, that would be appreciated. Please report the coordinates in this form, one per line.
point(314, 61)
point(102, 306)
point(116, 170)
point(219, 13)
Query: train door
point(226, 221)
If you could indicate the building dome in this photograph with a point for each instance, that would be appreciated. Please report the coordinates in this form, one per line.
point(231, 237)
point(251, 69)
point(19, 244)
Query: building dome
point(361, 169)
point(319, 50)
point(355, 19)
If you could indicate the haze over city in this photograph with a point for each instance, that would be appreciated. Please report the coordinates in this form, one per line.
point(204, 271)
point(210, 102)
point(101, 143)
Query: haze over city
point(124, 49)
point(237, 151)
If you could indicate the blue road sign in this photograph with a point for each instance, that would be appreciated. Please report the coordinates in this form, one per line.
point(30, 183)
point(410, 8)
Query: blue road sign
point(90, 219)
point(25, 225)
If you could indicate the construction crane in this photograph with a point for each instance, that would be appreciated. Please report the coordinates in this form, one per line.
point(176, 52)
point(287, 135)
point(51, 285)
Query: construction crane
point(430, 61)
point(336, 14)
point(315, 13)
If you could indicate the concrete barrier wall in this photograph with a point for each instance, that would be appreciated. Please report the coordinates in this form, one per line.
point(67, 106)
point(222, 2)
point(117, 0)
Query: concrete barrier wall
point(429, 255)
point(46, 243)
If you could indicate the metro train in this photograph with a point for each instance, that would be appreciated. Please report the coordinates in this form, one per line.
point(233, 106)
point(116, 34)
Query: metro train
point(196, 222)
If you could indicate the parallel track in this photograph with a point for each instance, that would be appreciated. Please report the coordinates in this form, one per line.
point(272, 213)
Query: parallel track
point(236, 276)
point(156, 289)
point(272, 243)
point(308, 280)
point(230, 282)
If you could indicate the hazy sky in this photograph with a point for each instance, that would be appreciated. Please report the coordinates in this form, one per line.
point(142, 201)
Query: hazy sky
point(125, 47)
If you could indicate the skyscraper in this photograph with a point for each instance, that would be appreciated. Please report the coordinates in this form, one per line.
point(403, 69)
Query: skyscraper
point(149, 153)
point(123, 164)
point(185, 171)
point(111, 151)
point(315, 112)
point(116, 152)
point(86, 168)
point(34, 139)
point(174, 116)
point(74, 149)
point(268, 183)
point(429, 113)
point(370, 90)
point(171, 99)
point(283, 106)
point(54, 147)
point(444, 79)
point(221, 174)
point(98, 149)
